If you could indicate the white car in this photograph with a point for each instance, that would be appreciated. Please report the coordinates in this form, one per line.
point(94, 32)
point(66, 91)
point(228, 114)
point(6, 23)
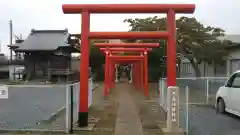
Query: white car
point(228, 96)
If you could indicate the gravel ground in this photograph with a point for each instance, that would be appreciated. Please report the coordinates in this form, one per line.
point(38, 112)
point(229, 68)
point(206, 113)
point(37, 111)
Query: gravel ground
point(150, 113)
point(104, 109)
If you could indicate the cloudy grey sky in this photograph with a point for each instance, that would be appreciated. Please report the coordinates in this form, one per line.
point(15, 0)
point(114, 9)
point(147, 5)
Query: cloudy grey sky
point(47, 14)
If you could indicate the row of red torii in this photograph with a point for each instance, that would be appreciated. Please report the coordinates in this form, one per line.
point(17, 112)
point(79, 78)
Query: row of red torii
point(140, 61)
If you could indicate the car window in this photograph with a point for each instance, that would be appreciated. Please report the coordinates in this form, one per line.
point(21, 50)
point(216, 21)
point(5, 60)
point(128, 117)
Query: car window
point(230, 80)
point(236, 80)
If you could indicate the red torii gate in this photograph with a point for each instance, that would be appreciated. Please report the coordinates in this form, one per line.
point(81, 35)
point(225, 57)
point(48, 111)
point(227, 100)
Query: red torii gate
point(136, 50)
point(139, 73)
point(143, 66)
point(86, 9)
point(111, 78)
point(131, 60)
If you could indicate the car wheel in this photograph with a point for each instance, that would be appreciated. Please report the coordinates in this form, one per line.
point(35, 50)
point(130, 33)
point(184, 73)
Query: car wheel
point(221, 106)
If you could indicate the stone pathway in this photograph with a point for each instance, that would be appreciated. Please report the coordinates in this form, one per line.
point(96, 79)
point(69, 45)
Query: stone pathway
point(128, 121)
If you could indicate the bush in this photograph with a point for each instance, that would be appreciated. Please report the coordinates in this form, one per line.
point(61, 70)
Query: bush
point(99, 76)
point(154, 74)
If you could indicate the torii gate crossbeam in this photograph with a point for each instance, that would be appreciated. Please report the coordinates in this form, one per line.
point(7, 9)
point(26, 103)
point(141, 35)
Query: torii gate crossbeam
point(142, 45)
point(126, 49)
point(127, 8)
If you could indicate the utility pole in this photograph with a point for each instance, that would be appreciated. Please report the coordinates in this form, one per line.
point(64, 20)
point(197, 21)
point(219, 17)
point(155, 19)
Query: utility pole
point(11, 33)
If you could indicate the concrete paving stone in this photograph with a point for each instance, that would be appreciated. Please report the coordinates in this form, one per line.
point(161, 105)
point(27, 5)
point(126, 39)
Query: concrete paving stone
point(128, 121)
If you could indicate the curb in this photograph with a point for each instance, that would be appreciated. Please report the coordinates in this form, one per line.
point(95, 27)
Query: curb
point(54, 115)
point(96, 86)
point(29, 131)
point(201, 105)
point(60, 110)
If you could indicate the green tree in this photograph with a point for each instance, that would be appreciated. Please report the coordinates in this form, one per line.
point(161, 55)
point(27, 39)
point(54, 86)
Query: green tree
point(97, 59)
point(195, 41)
point(156, 62)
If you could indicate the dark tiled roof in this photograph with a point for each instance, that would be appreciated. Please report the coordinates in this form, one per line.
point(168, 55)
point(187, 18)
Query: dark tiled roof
point(232, 47)
point(44, 40)
point(233, 38)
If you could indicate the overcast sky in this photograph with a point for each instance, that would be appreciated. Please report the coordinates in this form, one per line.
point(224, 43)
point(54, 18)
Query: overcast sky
point(47, 14)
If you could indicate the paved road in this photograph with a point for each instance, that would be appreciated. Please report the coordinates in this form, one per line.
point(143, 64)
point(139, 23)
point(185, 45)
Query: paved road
point(25, 107)
point(205, 121)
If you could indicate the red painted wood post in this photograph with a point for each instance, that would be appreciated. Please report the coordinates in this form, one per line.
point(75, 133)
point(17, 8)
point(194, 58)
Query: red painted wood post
point(146, 74)
point(138, 75)
point(135, 70)
point(134, 74)
point(106, 73)
point(110, 78)
point(114, 72)
point(140, 79)
point(171, 49)
point(84, 67)
point(142, 74)
point(110, 75)
point(131, 73)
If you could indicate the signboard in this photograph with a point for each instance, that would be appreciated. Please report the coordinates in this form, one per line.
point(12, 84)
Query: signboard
point(173, 107)
point(3, 92)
